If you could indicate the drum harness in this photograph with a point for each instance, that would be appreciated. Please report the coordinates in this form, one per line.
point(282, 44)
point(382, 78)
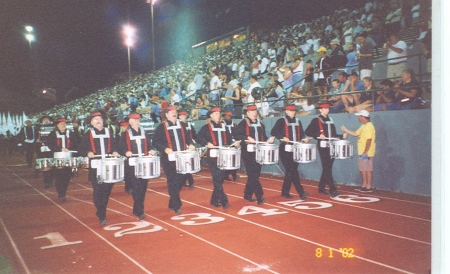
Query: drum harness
point(61, 138)
point(138, 139)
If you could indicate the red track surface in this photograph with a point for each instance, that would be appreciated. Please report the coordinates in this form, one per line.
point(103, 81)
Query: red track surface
point(385, 232)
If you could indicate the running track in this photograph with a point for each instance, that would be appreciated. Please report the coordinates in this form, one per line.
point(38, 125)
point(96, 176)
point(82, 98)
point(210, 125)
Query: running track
point(379, 232)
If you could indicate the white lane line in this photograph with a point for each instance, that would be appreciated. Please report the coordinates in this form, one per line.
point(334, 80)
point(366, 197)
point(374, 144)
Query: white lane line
point(288, 234)
point(332, 220)
point(86, 226)
point(259, 266)
point(383, 197)
point(346, 204)
point(16, 250)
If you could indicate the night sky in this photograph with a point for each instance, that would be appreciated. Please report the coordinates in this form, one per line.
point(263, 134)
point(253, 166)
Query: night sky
point(79, 43)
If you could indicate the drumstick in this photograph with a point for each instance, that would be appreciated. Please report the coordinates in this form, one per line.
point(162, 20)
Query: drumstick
point(256, 142)
point(295, 142)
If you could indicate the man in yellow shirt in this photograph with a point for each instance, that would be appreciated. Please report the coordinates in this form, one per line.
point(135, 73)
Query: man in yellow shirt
point(366, 148)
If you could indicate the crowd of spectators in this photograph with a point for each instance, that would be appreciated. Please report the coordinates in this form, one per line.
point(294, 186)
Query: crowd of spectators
point(295, 63)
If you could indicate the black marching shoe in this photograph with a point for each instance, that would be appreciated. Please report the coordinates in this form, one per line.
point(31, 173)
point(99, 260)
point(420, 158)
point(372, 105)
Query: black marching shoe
point(62, 199)
point(249, 198)
point(142, 216)
point(261, 201)
point(289, 196)
point(304, 195)
point(191, 186)
point(103, 222)
point(324, 191)
point(334, 194)
point(226, 206)
point(217, 204)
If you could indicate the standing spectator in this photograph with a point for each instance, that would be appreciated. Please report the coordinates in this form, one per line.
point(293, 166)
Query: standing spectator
point(255, 66)
point(337, 56)
point(308, 75)
point(322, 69)
point(297, 72)
point(366, 148)
point(365, 56)
point(425, 43)
point(352, 59)
point(395, 49)
point(214, 85)
point(27, 137)
point(254, 84)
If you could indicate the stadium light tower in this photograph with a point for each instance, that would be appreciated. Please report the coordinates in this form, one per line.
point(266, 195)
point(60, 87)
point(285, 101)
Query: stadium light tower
point(29, 35)
point(129, 32)
point(152, 2)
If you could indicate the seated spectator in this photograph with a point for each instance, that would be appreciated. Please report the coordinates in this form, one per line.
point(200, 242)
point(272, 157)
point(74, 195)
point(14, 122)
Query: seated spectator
point(407, 92)
point(386, 96)
point(365, 100)
point(201, 107)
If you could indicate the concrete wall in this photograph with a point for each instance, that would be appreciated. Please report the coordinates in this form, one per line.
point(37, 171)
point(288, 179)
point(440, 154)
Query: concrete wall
point(403, 157)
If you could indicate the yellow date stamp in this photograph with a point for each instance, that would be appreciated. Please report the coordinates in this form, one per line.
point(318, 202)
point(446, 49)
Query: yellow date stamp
point(345, 252)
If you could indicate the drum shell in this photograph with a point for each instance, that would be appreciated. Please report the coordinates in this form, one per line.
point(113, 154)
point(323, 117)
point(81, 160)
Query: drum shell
point(305, 153)
point(229, 158)
point(61, 162)
point(147, 167)
point(44, 164)
point(213, 152)
point(109, 170)
point(187, 162)
point(251, 148)
point(267, 154)
point(84, 162)
point(341, 149)
point(201, 151)
point(288, 148)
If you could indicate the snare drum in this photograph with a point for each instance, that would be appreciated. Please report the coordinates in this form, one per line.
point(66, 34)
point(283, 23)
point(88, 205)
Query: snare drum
point(229, 158)
point(341, 149)
point(267, 154)
point(84, 162)
point(109, 170)
point(305, 153)
point(44, 164)
point(147, 167)
point(187, 162)
point(201, 151)
point(61, 162)
point(74, 162)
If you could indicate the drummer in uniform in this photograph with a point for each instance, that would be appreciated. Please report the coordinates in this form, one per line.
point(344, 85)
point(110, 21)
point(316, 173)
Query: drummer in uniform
point(98, 141)
point(134, 141)
point(290, 129)
point(171, 136)
point(252, 130)
point(190, 129)
point(214, 134)
point(61, 140)
point(43, 150)
point(230, 125)
point(318, 129)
